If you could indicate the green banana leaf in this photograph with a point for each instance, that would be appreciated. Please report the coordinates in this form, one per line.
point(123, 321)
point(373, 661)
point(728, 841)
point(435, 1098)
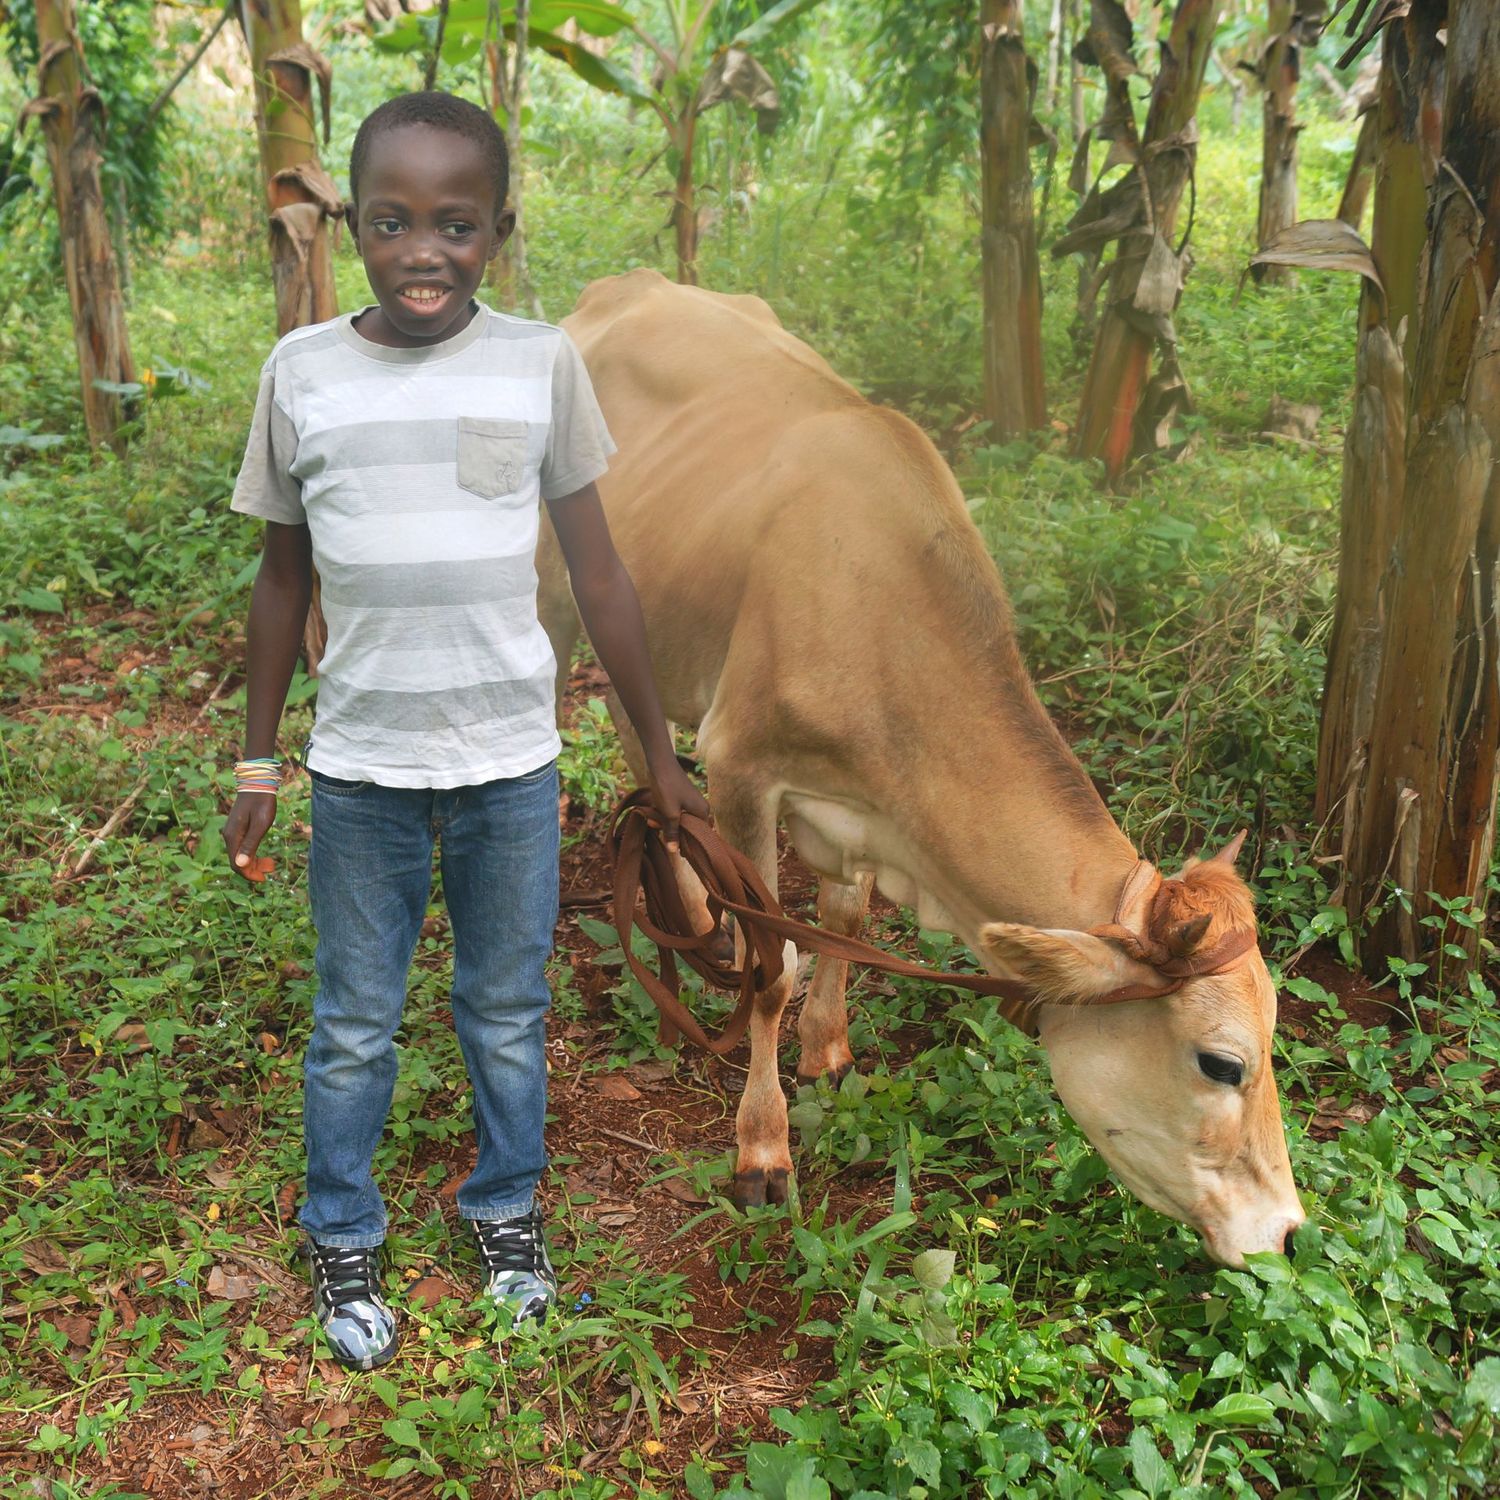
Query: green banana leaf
point(767, 22)
point(469, 18)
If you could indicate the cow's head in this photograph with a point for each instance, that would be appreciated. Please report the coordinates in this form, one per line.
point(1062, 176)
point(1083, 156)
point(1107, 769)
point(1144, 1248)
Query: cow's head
point(1176, 1092)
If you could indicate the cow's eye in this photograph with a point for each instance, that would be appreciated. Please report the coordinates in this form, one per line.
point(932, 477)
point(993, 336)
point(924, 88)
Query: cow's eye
point(1221, 1069)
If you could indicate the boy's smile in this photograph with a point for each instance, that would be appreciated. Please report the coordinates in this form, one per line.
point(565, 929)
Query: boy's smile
point(426, 224)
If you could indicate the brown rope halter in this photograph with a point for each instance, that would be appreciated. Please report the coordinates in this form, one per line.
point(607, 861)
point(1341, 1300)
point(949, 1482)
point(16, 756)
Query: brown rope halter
point(643, 867)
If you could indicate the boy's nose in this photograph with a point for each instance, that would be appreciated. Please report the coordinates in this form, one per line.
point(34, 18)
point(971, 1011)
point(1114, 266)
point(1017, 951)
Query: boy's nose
point(421, 251)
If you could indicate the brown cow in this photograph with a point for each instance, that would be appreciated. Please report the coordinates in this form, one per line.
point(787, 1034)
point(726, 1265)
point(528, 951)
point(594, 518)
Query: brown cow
point(820, 606)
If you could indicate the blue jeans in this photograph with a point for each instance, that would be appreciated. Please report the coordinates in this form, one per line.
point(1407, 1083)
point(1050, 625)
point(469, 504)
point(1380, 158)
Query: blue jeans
point(370, 877)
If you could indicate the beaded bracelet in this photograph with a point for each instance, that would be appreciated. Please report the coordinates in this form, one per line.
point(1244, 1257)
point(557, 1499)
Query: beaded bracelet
point(261, 775)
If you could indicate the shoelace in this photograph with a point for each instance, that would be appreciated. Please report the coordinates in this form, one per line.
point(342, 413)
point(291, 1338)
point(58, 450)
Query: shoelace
point(510, 1244)
point(344, 1276)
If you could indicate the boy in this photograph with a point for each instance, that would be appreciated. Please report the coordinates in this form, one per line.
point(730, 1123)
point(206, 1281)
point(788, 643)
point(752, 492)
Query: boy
point(402, 449)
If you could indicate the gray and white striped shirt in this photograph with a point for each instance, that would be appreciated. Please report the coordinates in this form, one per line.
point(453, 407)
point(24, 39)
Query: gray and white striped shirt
point(418, 473)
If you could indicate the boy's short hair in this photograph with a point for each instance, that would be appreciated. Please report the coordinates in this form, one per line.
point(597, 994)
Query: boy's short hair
point(442, 112)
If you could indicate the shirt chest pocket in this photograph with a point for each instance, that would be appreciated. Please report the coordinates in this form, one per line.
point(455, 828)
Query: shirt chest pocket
point(492, 455)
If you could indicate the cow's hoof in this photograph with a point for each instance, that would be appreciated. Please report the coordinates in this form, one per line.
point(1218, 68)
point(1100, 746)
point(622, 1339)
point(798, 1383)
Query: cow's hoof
point(757, 1187)
point(835, 1076)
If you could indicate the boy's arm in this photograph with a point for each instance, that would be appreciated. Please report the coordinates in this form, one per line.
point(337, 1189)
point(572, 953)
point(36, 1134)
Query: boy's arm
point(611, 612)
point(273, 636)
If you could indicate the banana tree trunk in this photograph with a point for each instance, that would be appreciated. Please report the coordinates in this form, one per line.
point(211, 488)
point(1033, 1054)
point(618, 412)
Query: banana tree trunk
point(1056, 41)
point(502, 272)
point(1278, 168)
point(72, 116)
point(1357, 184)
point(1428, 814)
point(1375, 444)
point(1014, 392)
point(300, 196)
point(1139, 305)
point(1075, 73)
point(684, 205)
point(1409, 123)
point(519, 270)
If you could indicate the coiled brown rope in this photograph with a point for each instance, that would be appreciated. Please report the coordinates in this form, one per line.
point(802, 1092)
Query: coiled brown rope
point(643, 867)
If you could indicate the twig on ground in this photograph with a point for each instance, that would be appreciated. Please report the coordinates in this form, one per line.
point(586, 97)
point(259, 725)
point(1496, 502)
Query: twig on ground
point(632, 1140)
point(123, 811)
point(101, 838)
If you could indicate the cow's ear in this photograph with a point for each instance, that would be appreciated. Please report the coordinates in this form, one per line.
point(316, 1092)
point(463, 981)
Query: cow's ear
point(1229, 853)
point(1059, 966)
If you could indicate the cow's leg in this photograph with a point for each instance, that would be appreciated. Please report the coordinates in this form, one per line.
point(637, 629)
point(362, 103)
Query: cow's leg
point(694, 898)
point(746, 818)
point(824, 1026)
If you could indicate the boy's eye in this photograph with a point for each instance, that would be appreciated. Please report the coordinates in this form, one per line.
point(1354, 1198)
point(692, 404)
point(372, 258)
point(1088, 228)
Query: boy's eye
point(458, 229)
point(387, 226)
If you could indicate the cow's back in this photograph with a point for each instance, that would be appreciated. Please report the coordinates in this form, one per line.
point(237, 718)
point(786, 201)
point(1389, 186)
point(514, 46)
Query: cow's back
point(749, 470)
point(644, 336)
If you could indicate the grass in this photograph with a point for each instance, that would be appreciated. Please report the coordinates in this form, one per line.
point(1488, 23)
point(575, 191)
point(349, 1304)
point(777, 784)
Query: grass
point(958, 1303)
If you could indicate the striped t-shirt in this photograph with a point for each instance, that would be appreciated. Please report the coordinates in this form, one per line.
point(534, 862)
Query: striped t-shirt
point(418, 474)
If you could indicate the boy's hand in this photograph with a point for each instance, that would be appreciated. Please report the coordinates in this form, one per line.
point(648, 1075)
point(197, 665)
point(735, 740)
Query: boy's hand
point(247, 824)
point(672, 794)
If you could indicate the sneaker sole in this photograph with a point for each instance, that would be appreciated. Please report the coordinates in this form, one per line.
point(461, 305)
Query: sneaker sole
point(369, 1361)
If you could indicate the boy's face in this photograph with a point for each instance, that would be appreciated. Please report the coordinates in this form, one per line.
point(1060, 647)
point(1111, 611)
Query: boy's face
point(426, 223)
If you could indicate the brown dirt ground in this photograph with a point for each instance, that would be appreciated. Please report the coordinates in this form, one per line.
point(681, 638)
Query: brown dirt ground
point(259, 1447)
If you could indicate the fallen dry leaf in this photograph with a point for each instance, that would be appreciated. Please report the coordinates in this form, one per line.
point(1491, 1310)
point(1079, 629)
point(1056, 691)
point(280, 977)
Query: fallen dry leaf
point(44, 1257)
point(682, 1190)
point(204, 1135)
point(219, 1177)
point(126, 1309)
point(597, 1176)
point(285, 1379)
point(650, 1072)
point(612, 1086)
point(78, 1329)
point(192, 1440)
point(1330, 1116)
point(431, 1290)
point(230, 1286)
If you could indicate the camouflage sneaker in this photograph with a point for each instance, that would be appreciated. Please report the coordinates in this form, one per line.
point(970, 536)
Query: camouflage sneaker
point(518, 1274)
point(359, 1327)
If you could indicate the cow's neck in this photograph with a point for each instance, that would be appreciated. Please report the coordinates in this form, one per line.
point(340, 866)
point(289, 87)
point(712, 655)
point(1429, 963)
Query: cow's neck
point(1027, 846)
point(998, 822)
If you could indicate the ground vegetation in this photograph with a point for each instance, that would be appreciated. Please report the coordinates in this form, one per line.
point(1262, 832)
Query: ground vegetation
point(957, 1301)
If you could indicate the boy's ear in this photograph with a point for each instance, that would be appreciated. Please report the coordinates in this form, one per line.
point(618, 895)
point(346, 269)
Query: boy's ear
point(351, 218)
point(505, 226)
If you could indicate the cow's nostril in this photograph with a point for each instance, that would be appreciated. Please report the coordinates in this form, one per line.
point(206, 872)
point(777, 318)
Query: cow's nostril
point(1289, 1243)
